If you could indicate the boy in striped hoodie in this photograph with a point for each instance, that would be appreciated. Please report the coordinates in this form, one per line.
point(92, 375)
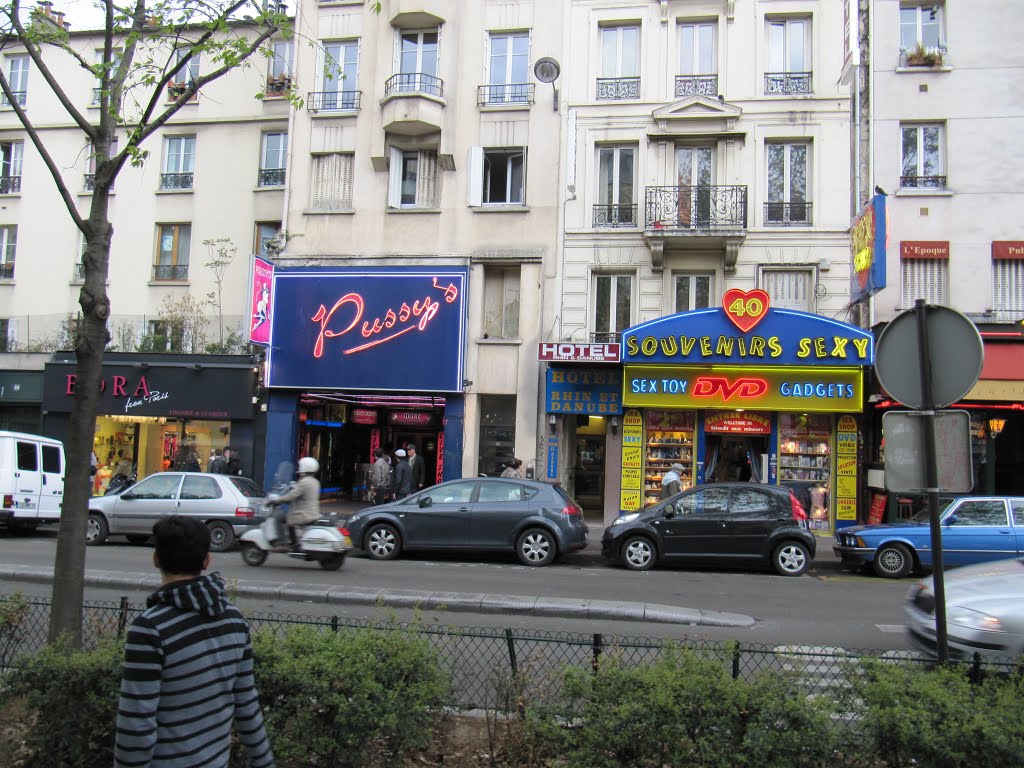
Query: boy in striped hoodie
point(188, 670)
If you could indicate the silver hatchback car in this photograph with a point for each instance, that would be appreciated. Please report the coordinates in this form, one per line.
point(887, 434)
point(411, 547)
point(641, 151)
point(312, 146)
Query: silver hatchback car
point(227, 504)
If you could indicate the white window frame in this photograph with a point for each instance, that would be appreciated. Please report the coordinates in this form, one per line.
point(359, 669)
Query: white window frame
point(693, 277)
point(481, 162)
point(618, 211)
point(793, 296)
point(331, 181)
point(915, 274)
point(17, 78)
point(8, 249)
point(940, 159)
point(1008, 288)
point(179, 157)
point(501, 69)
point(11, 159)
point(787, 181)
point(502, 296)
point(274, 153)
point(619, 66)
point(918, 10)
point(340, 72)
point(426, 180)
point(780, 61)
point(615, 324)
point(697, 52)
point(280, 62)
point(419, 50)
point(262, 236)
point(176, 230)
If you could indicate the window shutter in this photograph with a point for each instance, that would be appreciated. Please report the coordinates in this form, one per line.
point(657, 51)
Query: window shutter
point(426, 182)
point(476, 176)
point(345, 173)
point(788, 289)
point(12, 333)
point(395, 178)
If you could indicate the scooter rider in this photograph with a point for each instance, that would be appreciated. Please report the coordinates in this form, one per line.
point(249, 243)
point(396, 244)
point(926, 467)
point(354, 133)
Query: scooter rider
point(303, 497)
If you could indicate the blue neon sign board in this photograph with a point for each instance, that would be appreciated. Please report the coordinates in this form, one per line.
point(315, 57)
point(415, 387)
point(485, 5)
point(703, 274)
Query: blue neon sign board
point(399, 329)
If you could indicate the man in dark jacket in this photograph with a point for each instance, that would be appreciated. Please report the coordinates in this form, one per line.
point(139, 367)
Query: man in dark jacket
point(234, 464)
point(188, 671)
point(403, 476)
point(417, 466)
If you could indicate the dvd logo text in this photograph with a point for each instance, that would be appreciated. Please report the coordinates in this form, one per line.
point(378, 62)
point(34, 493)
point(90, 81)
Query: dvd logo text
point(709, 386)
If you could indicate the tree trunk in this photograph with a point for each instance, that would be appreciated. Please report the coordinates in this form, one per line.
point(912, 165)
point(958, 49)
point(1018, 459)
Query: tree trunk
point(69, 564)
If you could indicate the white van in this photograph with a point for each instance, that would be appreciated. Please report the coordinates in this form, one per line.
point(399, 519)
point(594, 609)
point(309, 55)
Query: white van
point(31, 479)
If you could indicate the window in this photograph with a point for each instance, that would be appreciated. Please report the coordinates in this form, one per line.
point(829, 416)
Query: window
point(695, 175)
point(8, 245)
point(921, 27)
point(504, 176)
point(17, 78)
point(789, 288)
point(51, 459)
point(332, 182)
point(501, 302)
point(412, 180)
point(179, 162)
point(172, 252)
point(341, 76)
point(456, 493)
point(266, 231)
point(10, 166)
point(28, 457)
point(115, 62)
point(273, 159)
point(616, 175)
point(923, 161)
point(613, 298)
point(981, 513)
point(497, 432)
point(162, 486)
point(1008, 287)
point(417, 64)
point(90, 176)
point(926, 279)
point(693, 291)
point(186, 71)
point(620, 63)
point(698, 64)
point(508, 68)
point(789, 57)
point(200, 488)
point(500, 492)
point(788, 170)
point(6, 335)
point(279, 71)
point(706, 501)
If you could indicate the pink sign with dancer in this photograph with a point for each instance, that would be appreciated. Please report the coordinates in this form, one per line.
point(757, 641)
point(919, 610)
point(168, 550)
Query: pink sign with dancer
point(261, 298)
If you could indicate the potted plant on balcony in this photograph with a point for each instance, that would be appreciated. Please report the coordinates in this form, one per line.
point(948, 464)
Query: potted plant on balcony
point(919, 56)
point(278, 83)
point(176, 88)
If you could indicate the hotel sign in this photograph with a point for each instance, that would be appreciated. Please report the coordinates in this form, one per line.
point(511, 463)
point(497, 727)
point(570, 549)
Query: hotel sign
point(551, 351)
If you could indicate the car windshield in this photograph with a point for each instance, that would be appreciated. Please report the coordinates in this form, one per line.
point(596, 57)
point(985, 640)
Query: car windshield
point(922, 516)
point(248, 488)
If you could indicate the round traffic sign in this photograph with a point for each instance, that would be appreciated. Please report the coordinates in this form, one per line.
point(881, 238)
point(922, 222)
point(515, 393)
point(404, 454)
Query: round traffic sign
point(955, 349)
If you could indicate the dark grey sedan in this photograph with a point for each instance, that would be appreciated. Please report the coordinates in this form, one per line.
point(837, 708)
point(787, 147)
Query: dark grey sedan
point(537, 520)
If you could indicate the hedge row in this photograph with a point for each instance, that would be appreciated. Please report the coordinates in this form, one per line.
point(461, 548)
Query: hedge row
point(372, 697)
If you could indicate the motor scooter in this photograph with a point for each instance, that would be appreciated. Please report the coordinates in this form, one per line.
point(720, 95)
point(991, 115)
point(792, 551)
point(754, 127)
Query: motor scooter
point(324, 542)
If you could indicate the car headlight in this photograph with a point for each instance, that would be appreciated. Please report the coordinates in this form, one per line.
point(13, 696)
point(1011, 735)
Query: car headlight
point(626, 518)
point(965, 617)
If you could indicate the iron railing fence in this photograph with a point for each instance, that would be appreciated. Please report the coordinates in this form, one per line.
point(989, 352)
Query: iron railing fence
point(414, 82)
point(496, 668)
point(618, 88)
point(333, 101)
point(696, 85)
point(702, 207)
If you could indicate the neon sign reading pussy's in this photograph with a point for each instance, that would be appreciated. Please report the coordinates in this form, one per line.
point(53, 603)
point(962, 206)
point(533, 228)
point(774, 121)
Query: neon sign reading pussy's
point(392, 324)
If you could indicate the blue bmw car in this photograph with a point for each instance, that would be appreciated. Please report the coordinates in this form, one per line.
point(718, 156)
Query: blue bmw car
point(975, 529)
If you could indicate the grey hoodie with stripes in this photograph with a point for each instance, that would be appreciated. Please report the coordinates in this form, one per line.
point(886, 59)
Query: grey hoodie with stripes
point(188, 675)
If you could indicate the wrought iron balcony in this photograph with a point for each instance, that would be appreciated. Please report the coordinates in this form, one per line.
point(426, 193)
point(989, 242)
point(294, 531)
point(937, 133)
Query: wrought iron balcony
point(19, 96)
point(272, 177)
point(696, 85)
point(782, 83)
point(696, 208)
point(170, 271)
point(414, 82)
point(7, 270)
point(604, 337)
point(615, 215)
point(923, 182)
point(511, 93)
point(787, 214)
point(176, 180)
point(609, 88)
point(333, 101)
point(10, 185)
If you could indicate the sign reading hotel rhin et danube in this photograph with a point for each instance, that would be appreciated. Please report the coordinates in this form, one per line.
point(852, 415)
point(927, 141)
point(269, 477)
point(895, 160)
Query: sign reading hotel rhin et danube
point(564, 352)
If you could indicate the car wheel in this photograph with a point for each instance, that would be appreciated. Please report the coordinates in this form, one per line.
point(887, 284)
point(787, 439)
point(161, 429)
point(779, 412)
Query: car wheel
point(893, 561)
point(536, 547)
point(791, 558)
point(382, 542)
point(137, 539)
point(221, 536)
point(331, 562)
point(253, 555)
point(639, 554)
point(96, 530)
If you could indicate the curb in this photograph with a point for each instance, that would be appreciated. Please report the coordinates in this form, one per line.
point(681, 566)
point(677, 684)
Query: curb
point(466, 602)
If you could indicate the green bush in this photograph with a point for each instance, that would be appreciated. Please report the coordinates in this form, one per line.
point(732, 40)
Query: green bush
point(74, 695)
point(350, 698)
point(683, 710)
point(936, 718)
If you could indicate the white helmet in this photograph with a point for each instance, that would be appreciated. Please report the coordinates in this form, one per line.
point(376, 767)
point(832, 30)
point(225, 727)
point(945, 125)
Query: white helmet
point(308, 466)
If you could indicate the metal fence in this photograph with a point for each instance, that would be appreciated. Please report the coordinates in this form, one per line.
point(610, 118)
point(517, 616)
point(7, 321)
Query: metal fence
point(494, 668)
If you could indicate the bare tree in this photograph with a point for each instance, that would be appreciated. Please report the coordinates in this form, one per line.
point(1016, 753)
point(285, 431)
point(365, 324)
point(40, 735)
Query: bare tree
point(222, 253)
point(146, 49)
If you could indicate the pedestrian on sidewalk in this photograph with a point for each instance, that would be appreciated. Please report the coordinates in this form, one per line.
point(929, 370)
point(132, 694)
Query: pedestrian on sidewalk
point(672, 481)
point(380, 478)
point(188, 668)
point(417, 467)
point(403, 476)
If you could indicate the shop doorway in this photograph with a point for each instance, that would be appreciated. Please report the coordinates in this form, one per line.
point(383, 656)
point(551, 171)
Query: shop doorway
point(588, 468)
point(735, 458)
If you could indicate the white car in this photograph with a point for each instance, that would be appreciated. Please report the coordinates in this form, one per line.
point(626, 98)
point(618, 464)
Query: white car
point(229, 505)
point(984, 612)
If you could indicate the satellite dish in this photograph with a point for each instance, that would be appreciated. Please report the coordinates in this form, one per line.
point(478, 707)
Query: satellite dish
point(546, 70)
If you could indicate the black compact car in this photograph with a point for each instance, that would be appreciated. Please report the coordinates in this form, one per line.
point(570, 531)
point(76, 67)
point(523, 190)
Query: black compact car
point(536, 520)
point(728, 523)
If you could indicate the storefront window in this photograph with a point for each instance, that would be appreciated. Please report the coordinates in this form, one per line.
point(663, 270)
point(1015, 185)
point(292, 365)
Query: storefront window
point(805, 462)
point(497, 432)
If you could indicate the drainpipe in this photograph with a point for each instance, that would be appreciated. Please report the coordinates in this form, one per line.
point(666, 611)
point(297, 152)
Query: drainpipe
point(291, 128)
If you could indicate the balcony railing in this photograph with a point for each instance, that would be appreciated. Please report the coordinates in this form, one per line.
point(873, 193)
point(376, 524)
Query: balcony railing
point(10, 185)
point(333, 101)
point(615, 215)
point(271, 177)
point(787, 83)
point(170, 271)
point(788, 214)
point(700, 207)
point(414, 82)
point(511, 93)
point(7, 270)
point(610, 88)
point(176, 180)
point(696, 85)
point(604, 337)
point(923, 182)
point(20, 96)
